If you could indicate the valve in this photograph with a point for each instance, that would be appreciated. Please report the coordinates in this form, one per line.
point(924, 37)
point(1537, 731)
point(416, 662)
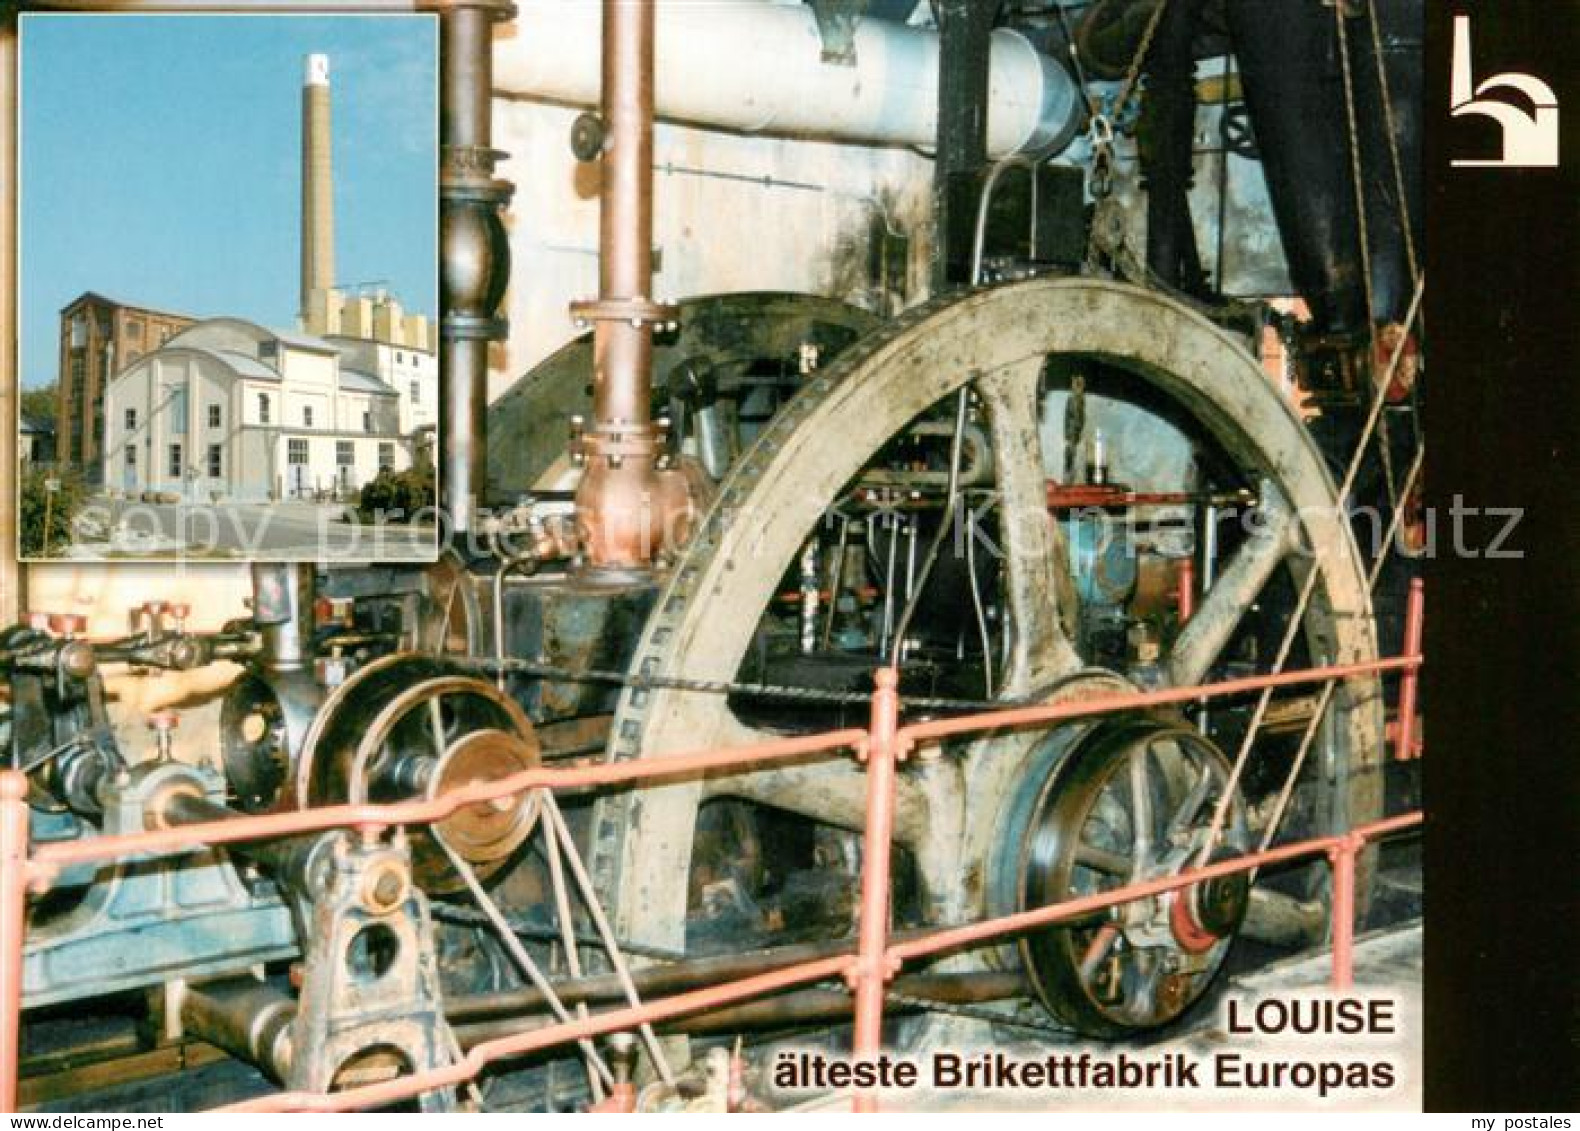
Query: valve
point(69, 625)
point(164, 724)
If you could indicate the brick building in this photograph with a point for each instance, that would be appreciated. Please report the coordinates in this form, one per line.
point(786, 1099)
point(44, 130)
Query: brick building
point(99, 337)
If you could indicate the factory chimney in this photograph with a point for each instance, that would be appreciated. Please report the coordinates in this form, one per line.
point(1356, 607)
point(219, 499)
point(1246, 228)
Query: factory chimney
point(318, 184)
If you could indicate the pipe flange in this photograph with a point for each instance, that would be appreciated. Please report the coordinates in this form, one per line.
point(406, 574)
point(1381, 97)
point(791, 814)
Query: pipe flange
point(636, 311)
point(499, 10)
point(471, 327)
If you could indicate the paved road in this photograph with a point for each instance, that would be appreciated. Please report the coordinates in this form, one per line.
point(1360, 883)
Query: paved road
point(284, 530)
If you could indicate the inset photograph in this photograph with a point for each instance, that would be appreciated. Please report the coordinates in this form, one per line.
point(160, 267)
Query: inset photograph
point(229, 288)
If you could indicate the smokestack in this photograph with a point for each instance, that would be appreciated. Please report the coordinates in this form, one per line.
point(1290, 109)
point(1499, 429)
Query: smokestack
point(318, 183)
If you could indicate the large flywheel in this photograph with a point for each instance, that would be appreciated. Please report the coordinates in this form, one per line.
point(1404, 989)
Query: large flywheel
point(1002, 344)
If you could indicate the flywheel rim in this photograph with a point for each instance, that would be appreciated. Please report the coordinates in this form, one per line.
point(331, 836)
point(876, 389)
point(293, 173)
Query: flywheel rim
point(891, 376)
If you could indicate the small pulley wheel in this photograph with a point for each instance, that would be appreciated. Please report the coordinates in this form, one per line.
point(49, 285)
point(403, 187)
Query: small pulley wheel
point(418, 726)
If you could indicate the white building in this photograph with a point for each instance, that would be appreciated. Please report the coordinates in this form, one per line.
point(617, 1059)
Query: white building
point(229, 410)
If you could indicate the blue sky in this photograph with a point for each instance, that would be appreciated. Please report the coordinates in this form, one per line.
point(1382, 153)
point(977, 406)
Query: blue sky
point(161, 161)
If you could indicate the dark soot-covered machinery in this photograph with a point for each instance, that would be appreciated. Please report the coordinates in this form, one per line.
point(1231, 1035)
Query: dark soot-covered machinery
point(1073, 482)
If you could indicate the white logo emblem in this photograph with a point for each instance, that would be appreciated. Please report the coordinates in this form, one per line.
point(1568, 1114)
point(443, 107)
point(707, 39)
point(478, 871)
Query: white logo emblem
point(1530, 136)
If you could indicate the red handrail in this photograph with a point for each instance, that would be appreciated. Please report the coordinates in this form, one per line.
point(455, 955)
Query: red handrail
point(867, 969)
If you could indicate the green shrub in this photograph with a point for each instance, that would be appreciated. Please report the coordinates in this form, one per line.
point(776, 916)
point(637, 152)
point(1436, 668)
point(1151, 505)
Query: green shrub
point(58, 507)
point(398, 495)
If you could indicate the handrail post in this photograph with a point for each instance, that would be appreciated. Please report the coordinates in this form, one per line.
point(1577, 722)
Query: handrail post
point(1342, 855)
point(872, 970)
point(1409, 682)
point(13, 923)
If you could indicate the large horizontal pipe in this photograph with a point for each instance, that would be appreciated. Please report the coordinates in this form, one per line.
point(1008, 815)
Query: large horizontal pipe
point(650, 981)
point(758, 68)
point(810, 1006)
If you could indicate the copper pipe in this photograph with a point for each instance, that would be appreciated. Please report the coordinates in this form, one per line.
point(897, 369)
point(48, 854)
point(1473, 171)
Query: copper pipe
point(872, 972)
point(1342, 856)
point(629, 505)
point(13, 927)
point(1409, 683)
point(623, 353)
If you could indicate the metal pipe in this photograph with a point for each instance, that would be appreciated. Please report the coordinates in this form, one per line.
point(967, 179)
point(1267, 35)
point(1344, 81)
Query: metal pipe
point(758, 68)
point(650, 981)
point(798, 1007)
point(1343, 855)
point(1409, 682)
point(872, 971)
point(13, 927)
point(622, 392)
point(249, 1019)
point(475, 251)
point(626, 508)
point(282, 606)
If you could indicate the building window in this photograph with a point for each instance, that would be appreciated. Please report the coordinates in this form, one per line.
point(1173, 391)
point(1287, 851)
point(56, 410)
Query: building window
point(213, 416)
point(175, 460)
point(398, 358)
point(131, 455)
point(263, 408)
point(216, 461)
point(268, 351)
point(296, 452)
point(307, 416)
point(178, 409)
point(367, 422)
point(386, 457)
point(131, 420)
point(416, 392)
point(134, 329)
point(344, 453)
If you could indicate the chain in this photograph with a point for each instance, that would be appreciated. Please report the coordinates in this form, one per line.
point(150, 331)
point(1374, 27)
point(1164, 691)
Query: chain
point(1101, 129)
point(780, 692)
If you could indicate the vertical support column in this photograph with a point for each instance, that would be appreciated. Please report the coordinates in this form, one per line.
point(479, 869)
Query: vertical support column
point(1410, 682)
point(1343, 857)
point(474, 250)
point(12, 590)
point(13, 923)
point(872, 971)
point(965, 30)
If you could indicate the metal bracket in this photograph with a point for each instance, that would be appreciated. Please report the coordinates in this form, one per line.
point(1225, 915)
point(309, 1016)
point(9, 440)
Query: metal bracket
point(836, 27)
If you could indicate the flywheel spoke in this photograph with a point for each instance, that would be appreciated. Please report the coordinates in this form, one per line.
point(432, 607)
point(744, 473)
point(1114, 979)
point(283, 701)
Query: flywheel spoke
point(1224, 605)
point(1036, 581)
